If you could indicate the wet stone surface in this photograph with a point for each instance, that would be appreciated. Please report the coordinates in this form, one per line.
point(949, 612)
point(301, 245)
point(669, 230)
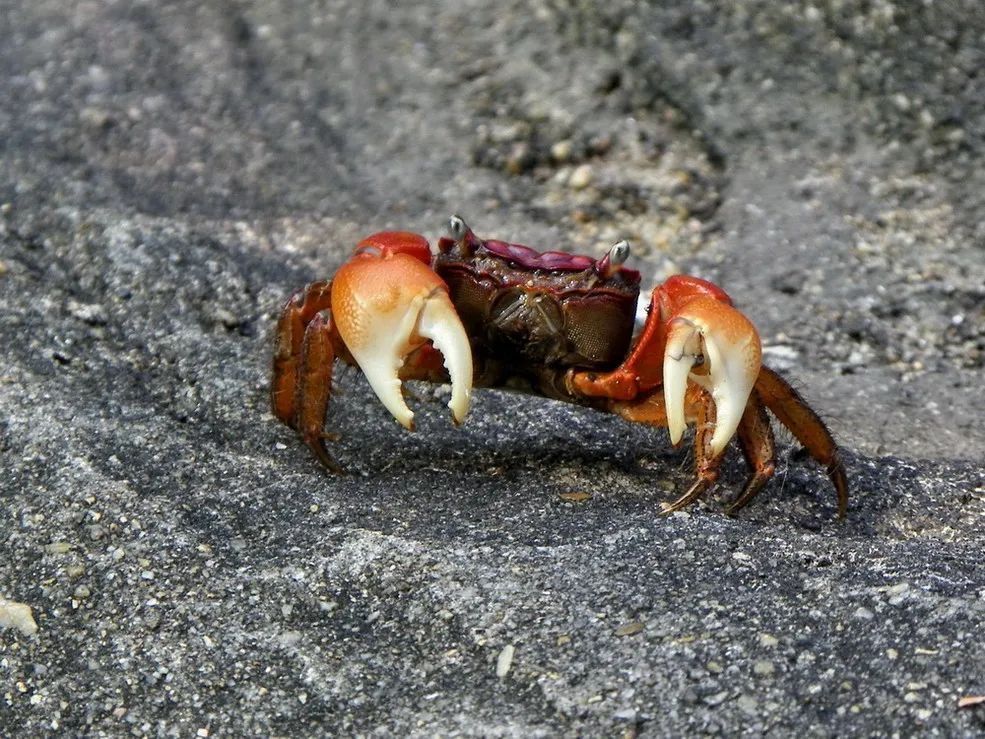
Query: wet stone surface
point(170, 173)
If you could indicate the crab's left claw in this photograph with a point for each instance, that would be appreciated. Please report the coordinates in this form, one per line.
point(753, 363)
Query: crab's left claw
point(714, 345)
point(386, 304)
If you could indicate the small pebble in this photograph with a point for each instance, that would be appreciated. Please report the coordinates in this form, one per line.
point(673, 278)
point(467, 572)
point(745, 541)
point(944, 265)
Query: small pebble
point(748, 705)
point(505, 661)
point(581, 177)
point(763, 668)
point(18, 616)
point(716, 699)
point(561, 151)
point(628, 629)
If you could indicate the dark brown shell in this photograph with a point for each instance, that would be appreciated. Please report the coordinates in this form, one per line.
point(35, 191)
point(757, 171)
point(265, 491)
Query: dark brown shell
point(528, 311)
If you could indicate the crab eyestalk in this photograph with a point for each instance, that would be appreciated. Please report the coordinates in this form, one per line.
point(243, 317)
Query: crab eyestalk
point(462, 235)
point(608, 265)
point(712, 344)
point(388, 304)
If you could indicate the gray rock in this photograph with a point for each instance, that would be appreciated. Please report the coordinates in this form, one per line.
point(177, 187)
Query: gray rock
point(170, 172)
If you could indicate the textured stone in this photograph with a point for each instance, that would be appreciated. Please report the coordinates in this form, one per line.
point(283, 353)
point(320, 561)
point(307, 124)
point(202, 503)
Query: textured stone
point(171, 172)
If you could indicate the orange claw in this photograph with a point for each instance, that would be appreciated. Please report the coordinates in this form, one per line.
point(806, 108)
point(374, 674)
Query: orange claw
point(386, 303)
point(693, 336)
point(712, 344)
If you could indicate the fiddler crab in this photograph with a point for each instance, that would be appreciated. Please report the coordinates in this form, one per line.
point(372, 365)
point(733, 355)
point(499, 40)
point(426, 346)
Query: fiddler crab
point(486, 313)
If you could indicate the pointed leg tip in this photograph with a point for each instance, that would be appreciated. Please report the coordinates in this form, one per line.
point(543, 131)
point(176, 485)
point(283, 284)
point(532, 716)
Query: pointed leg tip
point(838, 478)
point(325, 458)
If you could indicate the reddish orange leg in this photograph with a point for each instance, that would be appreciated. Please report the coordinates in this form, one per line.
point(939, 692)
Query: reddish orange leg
point(314, 388)
point(699, 409)
point(793, 412)
point(297, 313)
point(706, 462)
point(307, 346)
point(756, 439)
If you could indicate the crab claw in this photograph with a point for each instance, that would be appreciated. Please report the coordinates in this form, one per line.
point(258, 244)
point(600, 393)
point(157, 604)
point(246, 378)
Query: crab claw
point(388, 303)
point(714, 345)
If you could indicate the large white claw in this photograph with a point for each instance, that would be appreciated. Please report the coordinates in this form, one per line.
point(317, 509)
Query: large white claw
point(384, 309)
point(713, 335)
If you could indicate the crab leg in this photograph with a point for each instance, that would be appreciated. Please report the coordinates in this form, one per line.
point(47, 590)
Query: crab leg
point(700, 410)
point(759, 450)
point(706, 461)
point(297, 313)
point(387, 305)
point(793, 412)
point(314, 387)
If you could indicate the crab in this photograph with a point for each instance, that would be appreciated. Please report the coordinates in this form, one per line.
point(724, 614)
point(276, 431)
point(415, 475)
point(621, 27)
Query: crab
point(487, 313)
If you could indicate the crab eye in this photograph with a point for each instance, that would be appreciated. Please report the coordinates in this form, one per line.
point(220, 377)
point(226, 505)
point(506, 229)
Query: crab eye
point(608, 265)
point(457, 228)
point(619, 253)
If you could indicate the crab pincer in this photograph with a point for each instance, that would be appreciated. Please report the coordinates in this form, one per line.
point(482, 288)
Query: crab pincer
point(386, 312)
point(712, 344)
point(387, 303)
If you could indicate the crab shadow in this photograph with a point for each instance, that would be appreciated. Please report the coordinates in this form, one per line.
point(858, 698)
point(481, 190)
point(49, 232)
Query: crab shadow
point(581, 452)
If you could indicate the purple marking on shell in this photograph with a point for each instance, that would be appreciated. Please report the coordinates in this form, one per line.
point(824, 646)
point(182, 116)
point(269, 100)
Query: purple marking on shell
point(532, 259)
point(528, 258)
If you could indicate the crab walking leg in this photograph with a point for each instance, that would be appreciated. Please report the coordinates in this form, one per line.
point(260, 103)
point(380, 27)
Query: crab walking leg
point(385, 306)
point(297, 313)
point(314, 388)
point(706, 460)
point(793, 412)
point(714, 345)
point(697, 408)
point(759, 450)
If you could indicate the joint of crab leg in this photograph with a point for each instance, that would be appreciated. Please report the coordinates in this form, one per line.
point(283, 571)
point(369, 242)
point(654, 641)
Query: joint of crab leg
point(384, 309)
point(718, 339)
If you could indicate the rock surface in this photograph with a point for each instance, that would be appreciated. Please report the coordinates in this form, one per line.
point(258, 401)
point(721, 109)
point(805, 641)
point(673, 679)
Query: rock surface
point(170, 172)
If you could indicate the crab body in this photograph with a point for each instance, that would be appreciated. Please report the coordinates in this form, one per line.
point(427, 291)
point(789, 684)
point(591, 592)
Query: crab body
point(530, 317)
point(494, 314)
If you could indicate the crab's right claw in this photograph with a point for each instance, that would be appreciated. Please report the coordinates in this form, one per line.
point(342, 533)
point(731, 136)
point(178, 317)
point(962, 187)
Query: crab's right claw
point(712, 344)
point(386, 304)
